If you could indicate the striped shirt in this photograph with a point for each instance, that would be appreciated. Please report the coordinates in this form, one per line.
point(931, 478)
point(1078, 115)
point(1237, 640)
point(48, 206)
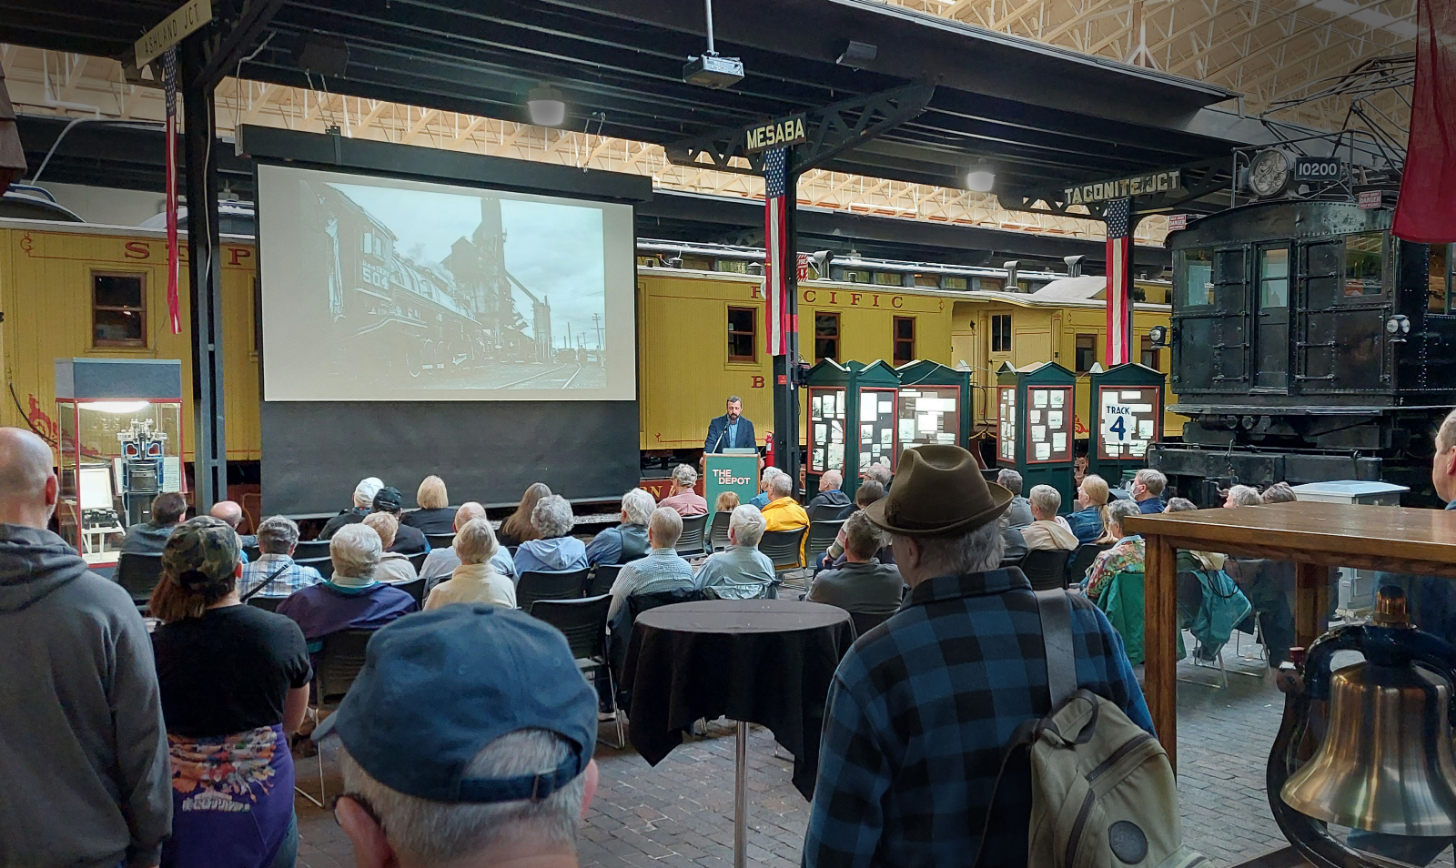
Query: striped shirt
point(661, 571)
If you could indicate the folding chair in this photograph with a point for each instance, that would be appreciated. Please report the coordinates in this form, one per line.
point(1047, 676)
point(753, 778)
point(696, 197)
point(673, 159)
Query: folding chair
point(565, 585)
point(584, 624)
point(139, 573)
point(339, 663)
point(691, 541)
point(1046, 569)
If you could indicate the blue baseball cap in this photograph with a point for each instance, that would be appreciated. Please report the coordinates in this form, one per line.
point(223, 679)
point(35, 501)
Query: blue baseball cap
point(439, 686)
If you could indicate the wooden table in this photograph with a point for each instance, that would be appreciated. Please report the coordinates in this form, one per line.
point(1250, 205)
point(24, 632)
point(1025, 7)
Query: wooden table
point(1315, 536)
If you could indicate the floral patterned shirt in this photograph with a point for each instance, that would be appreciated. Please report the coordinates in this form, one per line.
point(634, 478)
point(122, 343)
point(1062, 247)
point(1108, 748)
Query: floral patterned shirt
point(1126, 556)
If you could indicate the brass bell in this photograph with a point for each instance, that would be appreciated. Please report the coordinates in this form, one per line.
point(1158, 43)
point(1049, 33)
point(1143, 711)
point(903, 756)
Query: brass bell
point(1385, 763)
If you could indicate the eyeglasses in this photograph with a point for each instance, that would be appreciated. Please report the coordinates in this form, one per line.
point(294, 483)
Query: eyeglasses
point(363, 804)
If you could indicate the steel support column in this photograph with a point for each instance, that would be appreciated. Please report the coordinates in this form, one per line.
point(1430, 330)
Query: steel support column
point(204, 279)
point(785, 368)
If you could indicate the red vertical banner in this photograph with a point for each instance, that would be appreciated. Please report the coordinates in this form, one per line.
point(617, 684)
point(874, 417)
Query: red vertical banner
point(169, 84)
point(776, 252)
point(1426, 213)
point(1119, 280)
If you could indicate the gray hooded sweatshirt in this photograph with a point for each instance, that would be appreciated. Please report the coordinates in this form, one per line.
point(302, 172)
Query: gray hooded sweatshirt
point(83, 752)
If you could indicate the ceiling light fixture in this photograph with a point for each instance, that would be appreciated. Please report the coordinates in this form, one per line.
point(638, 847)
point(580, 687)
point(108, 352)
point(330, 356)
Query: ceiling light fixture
point(546, 107)
point(981, 178)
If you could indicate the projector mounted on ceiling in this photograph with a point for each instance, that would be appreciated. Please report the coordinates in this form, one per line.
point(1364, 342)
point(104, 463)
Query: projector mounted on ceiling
point(711, 70)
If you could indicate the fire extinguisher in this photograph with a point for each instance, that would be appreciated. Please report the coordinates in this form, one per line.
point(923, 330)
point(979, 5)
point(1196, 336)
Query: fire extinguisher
point(768, 450)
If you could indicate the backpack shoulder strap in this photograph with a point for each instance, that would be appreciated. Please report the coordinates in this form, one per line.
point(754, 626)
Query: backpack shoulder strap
point(266, 582)
point(1055, 609)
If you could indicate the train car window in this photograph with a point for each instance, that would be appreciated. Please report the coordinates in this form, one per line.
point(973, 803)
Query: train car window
point(1438, 298)
point(856, 276)
point(1274, 277)
point(118, 310)
point(1149, 354)
point(1197, 278)
point(733, 266)
point(742, 334)
point(1086, 353)
point(927, 280)
point(697, 263)
point(1001, 333)
point(1364, 264)
point(951, 282)
point(904, 339)
point(826, 336)
point(888, 278)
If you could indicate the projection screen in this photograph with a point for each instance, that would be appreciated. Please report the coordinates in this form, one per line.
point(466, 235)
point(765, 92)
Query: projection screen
point(386, 289)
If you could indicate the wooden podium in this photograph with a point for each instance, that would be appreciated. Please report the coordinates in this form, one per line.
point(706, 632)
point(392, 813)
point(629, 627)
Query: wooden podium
point(733, 470)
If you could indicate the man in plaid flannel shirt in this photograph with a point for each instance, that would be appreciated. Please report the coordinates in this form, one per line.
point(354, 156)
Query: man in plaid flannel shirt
point(922, 706)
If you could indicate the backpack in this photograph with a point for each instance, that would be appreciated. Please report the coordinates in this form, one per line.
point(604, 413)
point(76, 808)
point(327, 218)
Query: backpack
point(1103, 794)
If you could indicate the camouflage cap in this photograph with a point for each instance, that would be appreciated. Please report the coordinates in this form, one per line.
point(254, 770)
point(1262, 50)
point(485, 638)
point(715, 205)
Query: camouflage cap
point(203, 545)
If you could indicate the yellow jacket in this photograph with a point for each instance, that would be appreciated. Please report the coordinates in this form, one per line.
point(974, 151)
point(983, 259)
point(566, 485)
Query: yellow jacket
point(786, 514)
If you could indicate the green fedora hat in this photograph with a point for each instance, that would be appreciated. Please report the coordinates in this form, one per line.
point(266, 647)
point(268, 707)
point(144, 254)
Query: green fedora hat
point(938, 490)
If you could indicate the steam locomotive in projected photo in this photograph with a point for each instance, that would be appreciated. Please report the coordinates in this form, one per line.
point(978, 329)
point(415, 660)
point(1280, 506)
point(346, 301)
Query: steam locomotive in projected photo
point(1309, 344)
point(459, 314)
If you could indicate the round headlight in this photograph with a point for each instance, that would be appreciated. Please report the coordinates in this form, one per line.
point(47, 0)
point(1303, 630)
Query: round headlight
point(1392, 326)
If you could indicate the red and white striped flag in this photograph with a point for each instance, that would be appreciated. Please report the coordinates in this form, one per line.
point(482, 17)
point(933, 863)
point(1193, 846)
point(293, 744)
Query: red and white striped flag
point(169, 84)
point(1119, 265)
point(776, 261)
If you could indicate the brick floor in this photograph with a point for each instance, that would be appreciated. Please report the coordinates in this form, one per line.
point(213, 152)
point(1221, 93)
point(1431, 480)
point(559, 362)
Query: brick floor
point(680, 814)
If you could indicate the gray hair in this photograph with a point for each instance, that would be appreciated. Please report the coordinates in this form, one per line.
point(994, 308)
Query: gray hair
point(879, 473)
point(733, 399)
point(685, 476)
point(638, 504)
point(1280, 492)
point(469, 511)
point(1010, 480)
point(768, 476)
point(1119, 510)
point(552, 517)
point(665, 525)
point(1245, 495)
point(781, 486)
point(1446, 434)
point(355, 550)
point(1045, 499)
point(861, 537)
point(747, 524)
point(437, 833)
point(475, 543)
point(973, 552)
point(366, 489)
point(1153, 480)
point(277, 535)
point(384, 524)
point(1180, 504)
point(831, 480)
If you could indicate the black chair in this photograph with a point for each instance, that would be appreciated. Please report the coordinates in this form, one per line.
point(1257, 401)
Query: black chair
point(821, 536)
point(603, 577)
point(865, 622)
point(441, 540)
point(308, 550)
point(325, 566)
point(718, 531)
point(584, 624)
point(139, 573)
point(1081, 562)
point(1046, 568)
point(825, 512)
point(565, 585)
point(784, 548)
point(415, 589)
point(335, 669)
point(267, 604)
point(252, 553)
point(691, 541)
point(417, 560)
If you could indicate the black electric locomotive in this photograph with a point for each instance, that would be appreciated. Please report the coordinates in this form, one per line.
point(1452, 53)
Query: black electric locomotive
point(1309, 344)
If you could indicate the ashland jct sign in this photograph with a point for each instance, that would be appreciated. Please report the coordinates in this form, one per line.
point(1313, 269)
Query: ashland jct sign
point(1122, 188)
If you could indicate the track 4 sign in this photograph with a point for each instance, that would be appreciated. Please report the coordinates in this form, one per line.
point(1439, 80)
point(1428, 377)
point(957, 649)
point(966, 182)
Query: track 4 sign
point(1127, 420)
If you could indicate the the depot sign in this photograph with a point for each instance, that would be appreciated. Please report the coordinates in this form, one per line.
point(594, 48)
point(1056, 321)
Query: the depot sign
point(779, 133)
point(1123, 188)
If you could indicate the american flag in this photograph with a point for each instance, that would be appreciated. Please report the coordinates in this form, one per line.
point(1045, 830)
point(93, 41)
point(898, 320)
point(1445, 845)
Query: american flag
point(169, 84)
point(776, 260)
point(1119, 264)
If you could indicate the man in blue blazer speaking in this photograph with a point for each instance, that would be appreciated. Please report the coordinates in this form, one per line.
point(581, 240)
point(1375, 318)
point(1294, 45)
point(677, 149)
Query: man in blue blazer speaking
point(730, 431)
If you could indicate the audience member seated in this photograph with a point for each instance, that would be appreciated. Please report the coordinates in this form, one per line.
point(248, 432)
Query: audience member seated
point(363, 503)
point(351, 599)
point(442, 560)
point(765, 479)
point(554, 550)
point(628, 540)
point(1147, 489)
point(519, 528)
point(1432, 599)
point(1020, 511)
point(394, 568)
point(232, 513)
point(1086, 522)
point(234, 686)
point(150, 537)
point(880, 473)
point(432, 775)
point(1047, 529)
point(727, 501)
point(1280, 492)
point(782, 512)
point(1189, 559)
point(434, 514)
point(830, 498)
point(475, 580)
point(868, 492)
point(741, 571)
point(681, 495)
point(1126, 554)
point(916, 693)
point(1242, 495)
point(662, 570)
point(275, 568)
point(861, 584)
point(1012, 538)
point(407, 540)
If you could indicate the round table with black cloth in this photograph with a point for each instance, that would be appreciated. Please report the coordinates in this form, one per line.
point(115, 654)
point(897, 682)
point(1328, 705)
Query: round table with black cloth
point(758, 661)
